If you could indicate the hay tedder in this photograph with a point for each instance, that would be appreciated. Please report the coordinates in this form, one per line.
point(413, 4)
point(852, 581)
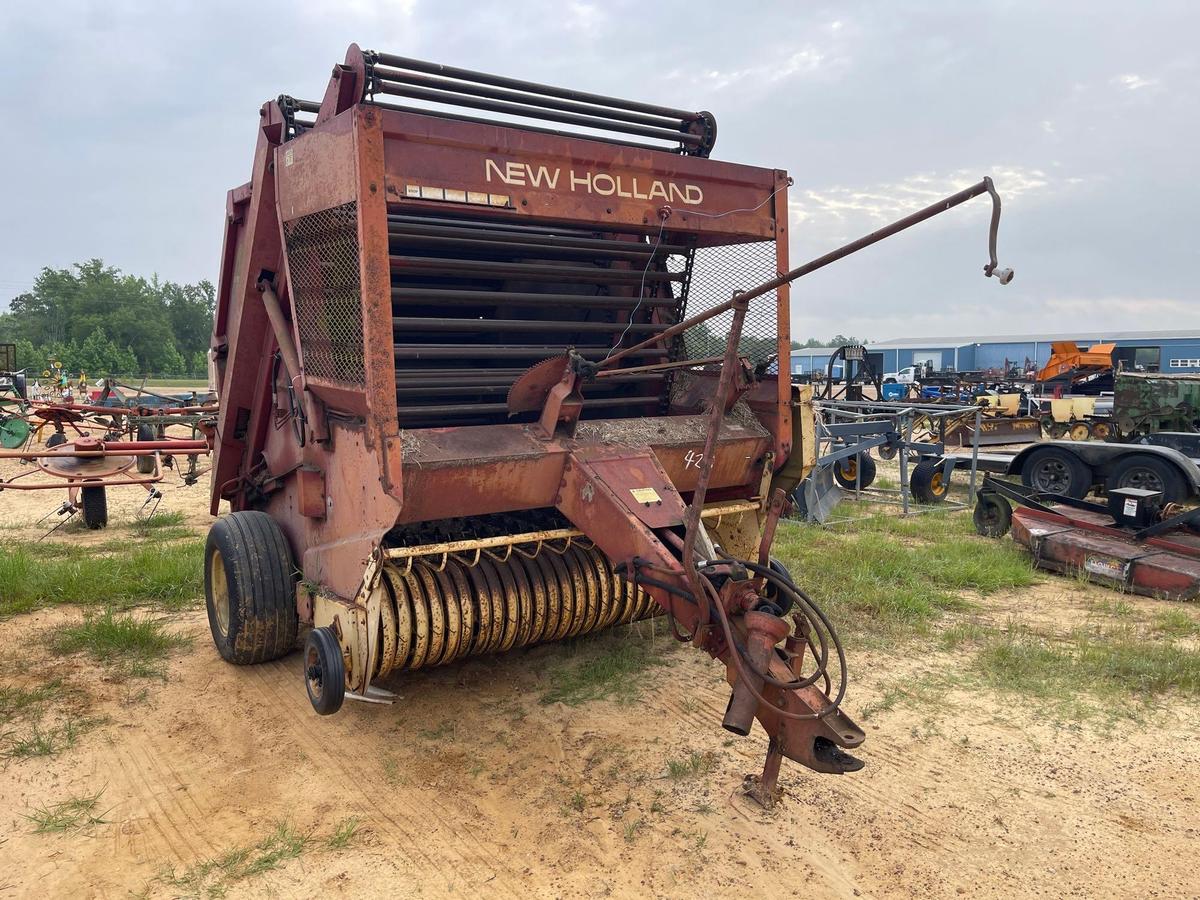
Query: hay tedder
point(487, 383)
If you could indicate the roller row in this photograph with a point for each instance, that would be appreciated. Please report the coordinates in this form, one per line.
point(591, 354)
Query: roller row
point(438, 612)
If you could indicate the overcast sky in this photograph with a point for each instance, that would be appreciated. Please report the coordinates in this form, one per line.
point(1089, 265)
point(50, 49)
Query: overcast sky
point(126, 122)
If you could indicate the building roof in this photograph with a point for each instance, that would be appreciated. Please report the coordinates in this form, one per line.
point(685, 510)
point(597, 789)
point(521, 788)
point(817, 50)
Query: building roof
point(1087, 336)
point(814, 351)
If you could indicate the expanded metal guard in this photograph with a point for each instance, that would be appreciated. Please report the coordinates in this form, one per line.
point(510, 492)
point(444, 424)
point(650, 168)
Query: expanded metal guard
point(323, 262)
point(716, 273)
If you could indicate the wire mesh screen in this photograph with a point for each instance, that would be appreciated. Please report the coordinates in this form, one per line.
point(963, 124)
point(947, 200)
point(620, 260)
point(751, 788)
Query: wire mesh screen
point(323, 262)
point(716, 273)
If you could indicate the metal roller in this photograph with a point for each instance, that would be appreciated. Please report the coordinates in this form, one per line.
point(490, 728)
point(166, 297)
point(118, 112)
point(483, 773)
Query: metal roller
point(437, 610)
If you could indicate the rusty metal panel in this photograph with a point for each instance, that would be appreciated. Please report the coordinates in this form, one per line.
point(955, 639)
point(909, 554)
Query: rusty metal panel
point(529, 175)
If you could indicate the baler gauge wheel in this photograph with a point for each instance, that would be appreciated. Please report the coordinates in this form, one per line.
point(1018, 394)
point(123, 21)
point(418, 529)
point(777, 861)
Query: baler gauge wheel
point(324, 671)
point(95, 506)
point(249, 589)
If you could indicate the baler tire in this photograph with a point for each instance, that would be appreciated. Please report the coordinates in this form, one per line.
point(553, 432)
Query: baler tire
point(145, 464)
point(95, 506)
point(324, 671)
point(1141, 470)
point(992, 516)
point(1048, 465)
point(928, 483)
point(56, 440)
point(249, 589)
point(845, 471)
point(784, 603)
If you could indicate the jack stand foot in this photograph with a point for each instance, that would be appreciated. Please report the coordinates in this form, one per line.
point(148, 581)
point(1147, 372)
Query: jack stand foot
point(373, 695)
point(762, 788)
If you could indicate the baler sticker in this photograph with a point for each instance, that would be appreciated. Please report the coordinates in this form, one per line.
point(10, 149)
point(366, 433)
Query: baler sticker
point(645, 495)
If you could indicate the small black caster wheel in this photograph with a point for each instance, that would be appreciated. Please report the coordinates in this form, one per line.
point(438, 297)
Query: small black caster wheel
point(324, 671)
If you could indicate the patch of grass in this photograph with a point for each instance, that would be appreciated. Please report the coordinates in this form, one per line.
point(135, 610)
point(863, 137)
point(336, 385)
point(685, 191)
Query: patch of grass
point(343, 834)
point(1118, 609)
point(16, 702)
point(1104, 665)
point(922, 690)
point(1176, 623)
point(157, 521)
point(136, 646)
point(695, 764)
point(68, 815)
point(632, 828)
point(43, 742)
point(446, 729)
point(213, 877)
point(884, 578)
point(36, 575)
point(607, 666)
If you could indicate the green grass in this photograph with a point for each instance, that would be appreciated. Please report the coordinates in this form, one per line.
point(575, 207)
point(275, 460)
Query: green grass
point(343, 834)
point(16, 702)
point(608, 666)
point(690, 766)
point(884, 578)
point(1107, 665)
point(39, 741)
point(136, 646)
point(213, 877)
point(1176, 623)
point(37, 575)
point(69, 815)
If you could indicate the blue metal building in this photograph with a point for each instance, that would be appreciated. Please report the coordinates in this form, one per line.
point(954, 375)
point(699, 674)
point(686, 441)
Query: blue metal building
point(1150, 351)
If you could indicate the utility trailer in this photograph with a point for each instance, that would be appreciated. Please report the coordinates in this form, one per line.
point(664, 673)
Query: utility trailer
point(486, 384)
point(1071, 468)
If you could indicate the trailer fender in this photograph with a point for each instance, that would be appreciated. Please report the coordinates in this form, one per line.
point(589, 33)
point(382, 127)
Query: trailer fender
point(1102, 459)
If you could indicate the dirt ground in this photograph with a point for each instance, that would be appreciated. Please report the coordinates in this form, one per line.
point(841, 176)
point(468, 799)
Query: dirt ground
point(471, 786)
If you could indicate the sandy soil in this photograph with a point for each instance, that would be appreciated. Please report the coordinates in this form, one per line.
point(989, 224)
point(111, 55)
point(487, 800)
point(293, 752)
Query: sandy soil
point(470, 786)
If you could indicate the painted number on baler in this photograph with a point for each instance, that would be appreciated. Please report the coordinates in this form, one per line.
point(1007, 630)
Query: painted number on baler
point(693, 459)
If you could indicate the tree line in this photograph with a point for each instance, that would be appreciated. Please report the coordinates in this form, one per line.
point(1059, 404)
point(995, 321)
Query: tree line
point(96, 319)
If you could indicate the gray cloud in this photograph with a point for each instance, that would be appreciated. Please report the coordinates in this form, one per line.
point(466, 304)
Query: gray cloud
point(127, 122)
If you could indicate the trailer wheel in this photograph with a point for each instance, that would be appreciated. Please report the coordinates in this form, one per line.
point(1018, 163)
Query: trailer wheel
point(1141, 470)
point(324, 671)
point(888, 451)
point(56, 440)
point(249, 588)
point(928, 483)
point(145, 464)
point(95, 506)
point(1080, 431)
point(992, 516)
point(861, 466)
point(1103, 431)
point(1054, 471)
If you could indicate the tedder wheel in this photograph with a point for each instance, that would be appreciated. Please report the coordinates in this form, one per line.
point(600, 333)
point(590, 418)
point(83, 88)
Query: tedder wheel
point(1103, 431)
point(95, 506)
point(324, 671)
point(928, 483)
point(992, 516)
point(1054, 471)
point(845, 471)
point(1141, 470)
point(888, 451)
point(249, 588)
point(56, 439)
point(145, 464)
point(1080, 431)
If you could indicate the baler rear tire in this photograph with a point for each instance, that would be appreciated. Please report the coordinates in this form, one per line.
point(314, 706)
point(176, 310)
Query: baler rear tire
point(95, 506)
point(249, 589)
point(324, 671)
